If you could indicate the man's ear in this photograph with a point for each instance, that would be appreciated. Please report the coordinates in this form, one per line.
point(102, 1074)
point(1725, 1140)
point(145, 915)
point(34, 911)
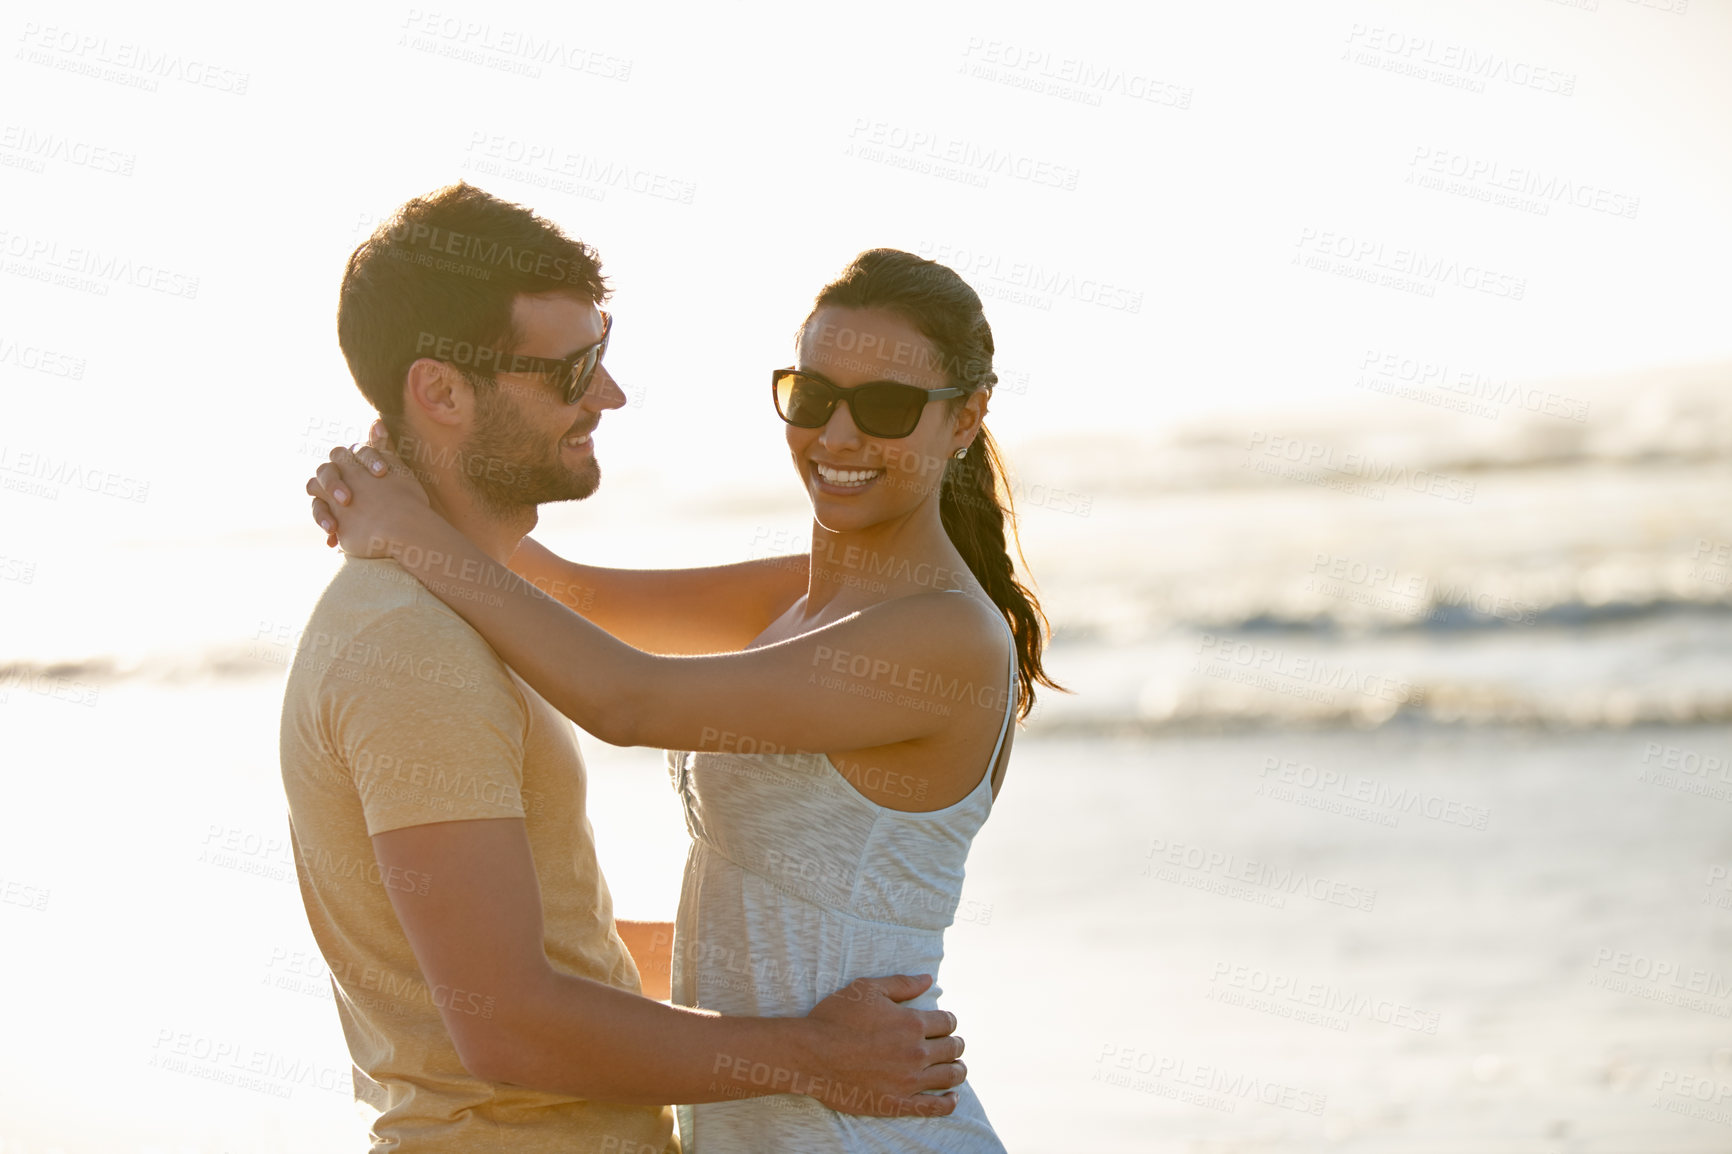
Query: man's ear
point(438, 392)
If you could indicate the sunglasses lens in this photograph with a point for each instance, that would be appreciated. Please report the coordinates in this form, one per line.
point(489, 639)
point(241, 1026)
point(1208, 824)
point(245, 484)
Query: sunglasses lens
point(887, 410)
point(583, 371)
point(802, 401)
point(581, 374)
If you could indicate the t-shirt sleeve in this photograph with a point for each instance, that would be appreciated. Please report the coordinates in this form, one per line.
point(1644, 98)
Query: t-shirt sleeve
point(427, 720)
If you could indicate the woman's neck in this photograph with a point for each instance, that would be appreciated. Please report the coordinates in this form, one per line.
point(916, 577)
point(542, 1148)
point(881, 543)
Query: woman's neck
point(851, 569)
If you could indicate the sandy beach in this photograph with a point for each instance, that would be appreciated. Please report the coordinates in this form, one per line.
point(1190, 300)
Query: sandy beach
point(1491, 939)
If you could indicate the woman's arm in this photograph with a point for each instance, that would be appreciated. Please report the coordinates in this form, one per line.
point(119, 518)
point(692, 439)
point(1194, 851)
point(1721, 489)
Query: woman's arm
point(900, 671)
point(716, 609)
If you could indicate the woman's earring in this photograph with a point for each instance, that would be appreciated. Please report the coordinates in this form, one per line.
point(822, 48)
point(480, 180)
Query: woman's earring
point(960, 453)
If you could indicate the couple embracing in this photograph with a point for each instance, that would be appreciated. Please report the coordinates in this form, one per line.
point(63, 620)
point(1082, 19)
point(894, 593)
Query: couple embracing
point(489, 998)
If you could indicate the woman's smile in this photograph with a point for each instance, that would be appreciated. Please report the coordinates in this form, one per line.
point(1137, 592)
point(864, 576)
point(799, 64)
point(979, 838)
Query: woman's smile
point(833, 479)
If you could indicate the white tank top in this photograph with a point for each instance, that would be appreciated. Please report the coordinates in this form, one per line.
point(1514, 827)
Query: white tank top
point(796, 885)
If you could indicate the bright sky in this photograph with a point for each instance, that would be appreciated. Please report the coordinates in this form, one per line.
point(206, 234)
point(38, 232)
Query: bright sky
point(1136, 189)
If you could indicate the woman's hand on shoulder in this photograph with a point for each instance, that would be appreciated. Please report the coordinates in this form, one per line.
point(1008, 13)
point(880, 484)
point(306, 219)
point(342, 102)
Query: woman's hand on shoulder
point(364, 498)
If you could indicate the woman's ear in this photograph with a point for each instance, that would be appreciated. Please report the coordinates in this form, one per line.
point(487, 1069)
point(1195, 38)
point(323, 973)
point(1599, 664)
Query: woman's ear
point(972, 416)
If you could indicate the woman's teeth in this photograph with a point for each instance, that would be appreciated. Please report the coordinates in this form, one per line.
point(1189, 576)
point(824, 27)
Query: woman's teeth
point(577, 442)
point(845, 477)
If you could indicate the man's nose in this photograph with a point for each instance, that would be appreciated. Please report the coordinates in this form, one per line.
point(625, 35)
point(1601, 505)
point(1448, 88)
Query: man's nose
point(604, 392)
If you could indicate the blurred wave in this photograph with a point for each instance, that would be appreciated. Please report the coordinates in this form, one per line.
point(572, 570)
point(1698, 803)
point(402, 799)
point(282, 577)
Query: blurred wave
point(1560, 557)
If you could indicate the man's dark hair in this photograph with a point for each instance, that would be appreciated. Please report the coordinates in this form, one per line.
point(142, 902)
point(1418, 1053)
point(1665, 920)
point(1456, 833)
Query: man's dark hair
point(441, 274)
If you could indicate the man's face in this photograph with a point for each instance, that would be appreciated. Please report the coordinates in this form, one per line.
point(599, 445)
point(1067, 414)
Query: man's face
point(528, 447)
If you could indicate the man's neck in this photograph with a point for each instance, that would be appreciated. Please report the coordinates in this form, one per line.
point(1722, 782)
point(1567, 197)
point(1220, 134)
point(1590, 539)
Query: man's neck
point(497, 534)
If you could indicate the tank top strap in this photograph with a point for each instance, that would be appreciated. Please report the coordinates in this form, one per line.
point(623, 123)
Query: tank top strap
point(1011, 694)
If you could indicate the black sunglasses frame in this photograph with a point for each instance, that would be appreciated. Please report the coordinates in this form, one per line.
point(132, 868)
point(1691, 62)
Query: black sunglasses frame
point(570, 374)
point(837, 394)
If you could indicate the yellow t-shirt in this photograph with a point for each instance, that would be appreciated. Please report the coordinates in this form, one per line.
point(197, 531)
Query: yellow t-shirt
point(397, 714)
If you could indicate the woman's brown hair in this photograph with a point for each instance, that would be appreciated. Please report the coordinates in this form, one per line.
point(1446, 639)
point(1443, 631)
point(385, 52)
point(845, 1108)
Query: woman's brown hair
point(974, 501)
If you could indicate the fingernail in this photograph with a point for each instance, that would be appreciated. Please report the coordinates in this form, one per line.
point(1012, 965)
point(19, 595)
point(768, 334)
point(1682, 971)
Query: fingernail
point(378, 466)
point(327, 526)
point(340, 494)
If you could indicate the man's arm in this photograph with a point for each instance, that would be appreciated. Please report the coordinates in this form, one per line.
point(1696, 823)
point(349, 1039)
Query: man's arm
point(478, 931)
point(717, 609)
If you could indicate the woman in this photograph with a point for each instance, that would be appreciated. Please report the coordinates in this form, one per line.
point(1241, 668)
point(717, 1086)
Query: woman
point(847, 755)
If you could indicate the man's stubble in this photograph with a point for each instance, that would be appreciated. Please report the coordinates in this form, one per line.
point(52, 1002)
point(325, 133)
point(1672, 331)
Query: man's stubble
point(508, 464)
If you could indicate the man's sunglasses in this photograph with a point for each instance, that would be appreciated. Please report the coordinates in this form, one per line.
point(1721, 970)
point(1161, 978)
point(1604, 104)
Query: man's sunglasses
point(570, 375)
point(886, 409)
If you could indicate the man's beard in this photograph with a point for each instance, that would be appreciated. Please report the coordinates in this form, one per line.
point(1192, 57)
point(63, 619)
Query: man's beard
point(506, 464)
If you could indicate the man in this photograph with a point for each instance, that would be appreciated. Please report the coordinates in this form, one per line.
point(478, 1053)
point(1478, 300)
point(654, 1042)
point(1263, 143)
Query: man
point(436, 802)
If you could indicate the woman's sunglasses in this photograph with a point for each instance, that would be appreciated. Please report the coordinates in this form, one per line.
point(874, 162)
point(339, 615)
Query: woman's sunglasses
point(886, 409)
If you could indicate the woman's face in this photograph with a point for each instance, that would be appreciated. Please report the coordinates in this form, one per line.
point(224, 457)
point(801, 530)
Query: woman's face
point(856, 480)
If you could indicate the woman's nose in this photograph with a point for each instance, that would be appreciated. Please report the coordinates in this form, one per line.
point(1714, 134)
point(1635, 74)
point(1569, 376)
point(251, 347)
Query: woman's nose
point(840, 430)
